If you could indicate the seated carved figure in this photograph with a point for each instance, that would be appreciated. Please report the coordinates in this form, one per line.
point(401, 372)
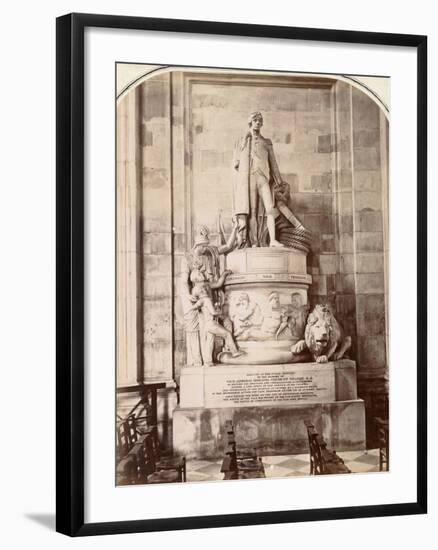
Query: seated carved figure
point(245, 315)
point(323, 336)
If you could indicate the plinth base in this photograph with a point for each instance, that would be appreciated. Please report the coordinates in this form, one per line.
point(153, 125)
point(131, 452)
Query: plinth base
point(262, 385)
point(268, 405)
point(266, 300)
point(279, 430)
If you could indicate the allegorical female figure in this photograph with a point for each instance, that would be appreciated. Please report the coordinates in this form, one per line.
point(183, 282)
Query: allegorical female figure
point(201, 266)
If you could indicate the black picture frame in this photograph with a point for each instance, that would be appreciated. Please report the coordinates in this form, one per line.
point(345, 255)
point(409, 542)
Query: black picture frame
point(70, 272)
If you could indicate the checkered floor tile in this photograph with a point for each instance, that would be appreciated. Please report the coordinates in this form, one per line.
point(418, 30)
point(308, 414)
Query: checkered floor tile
point(204, 470)
point(285, 466)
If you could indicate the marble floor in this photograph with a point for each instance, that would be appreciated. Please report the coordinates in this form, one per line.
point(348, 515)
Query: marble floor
point(285, 466)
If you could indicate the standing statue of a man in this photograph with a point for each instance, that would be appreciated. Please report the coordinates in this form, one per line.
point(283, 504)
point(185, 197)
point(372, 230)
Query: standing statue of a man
point(257, 176)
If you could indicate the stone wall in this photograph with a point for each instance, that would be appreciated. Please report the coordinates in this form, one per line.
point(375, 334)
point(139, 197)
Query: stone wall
point(157, 228)
point(362, 194)
point(129, 244)
point(330, 140)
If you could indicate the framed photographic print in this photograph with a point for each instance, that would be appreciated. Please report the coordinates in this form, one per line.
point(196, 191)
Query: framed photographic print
point(241, 274)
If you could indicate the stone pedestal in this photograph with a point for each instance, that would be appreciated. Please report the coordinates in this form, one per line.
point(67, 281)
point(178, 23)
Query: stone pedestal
point(257, 385)
point(268, 406)
point(279, 430)
point(254, 265)
point(266, 303)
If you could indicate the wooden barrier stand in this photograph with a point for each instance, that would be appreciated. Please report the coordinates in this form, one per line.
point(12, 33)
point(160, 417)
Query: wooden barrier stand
point(383, 441)
point(139, 457)
point(237, 465)
point(323, 461)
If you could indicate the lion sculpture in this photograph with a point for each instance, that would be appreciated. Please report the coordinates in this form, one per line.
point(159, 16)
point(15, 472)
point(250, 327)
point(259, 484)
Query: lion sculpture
point(323, 336)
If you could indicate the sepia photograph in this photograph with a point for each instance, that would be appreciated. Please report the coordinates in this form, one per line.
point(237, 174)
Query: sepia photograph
point(252, 260)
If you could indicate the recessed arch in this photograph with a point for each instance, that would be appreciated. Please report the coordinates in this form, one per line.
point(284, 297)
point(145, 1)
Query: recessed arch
point(375, 87)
